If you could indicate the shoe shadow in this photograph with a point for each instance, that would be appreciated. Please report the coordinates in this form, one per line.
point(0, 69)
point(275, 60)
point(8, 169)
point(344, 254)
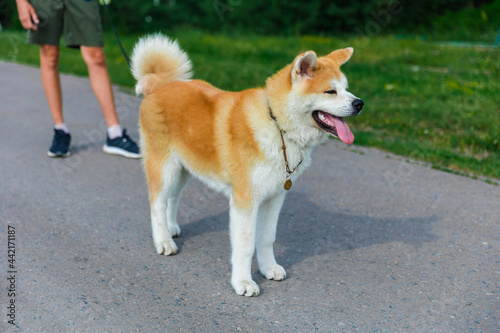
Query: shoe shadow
point(84, 147)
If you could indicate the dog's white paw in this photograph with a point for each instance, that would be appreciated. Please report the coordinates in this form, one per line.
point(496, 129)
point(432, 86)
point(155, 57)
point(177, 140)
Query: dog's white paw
point(166, 247)
point(246, 288)
point(174, 230)
point(275, 272)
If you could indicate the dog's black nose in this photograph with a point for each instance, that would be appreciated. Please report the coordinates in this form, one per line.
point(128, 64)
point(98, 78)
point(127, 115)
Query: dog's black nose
point(357, 104)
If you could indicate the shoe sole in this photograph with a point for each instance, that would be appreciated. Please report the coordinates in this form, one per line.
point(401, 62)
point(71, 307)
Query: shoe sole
point(117, 151)
point(58, 155)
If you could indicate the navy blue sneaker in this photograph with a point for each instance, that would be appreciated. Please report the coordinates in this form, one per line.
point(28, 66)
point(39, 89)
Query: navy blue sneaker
point(123, 146)
point(60, 144)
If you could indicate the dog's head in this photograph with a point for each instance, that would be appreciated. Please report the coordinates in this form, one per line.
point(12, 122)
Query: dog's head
point(312, 98)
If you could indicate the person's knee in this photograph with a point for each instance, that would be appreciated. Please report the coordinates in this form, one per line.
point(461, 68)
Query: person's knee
point(94, 57)
point(49, 56)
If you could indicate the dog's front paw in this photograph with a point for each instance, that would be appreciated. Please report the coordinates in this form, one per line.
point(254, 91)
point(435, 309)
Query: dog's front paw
point(275, 272)
point(166, 247)
point(246, 288)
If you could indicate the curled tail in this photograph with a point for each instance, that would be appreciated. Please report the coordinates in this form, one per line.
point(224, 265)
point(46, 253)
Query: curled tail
point(157, 60)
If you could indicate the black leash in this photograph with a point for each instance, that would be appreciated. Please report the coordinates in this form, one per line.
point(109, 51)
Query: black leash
point(116, 35)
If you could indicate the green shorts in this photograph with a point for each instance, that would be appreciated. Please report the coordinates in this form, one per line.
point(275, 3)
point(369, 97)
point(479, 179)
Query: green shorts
point(80, 21)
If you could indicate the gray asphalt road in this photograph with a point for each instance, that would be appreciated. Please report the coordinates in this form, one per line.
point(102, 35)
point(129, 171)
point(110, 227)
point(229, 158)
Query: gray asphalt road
point(370, 243)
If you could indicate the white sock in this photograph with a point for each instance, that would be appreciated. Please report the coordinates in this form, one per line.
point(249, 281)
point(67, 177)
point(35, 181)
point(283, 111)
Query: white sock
point(115, 131)
point(62, 127)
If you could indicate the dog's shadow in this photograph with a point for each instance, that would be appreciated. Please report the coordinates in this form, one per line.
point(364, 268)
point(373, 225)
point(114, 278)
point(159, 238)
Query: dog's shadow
point(306, 230)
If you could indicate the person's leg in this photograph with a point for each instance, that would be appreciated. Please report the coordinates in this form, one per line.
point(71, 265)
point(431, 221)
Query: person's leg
point(100, 82)
point(49, 67)
point(85, 14)
point(118, 142)
point(47, 37)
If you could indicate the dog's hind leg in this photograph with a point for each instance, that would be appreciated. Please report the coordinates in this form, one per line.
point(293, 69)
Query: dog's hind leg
point(165, 184)
point(267, 222)
point(173, 198)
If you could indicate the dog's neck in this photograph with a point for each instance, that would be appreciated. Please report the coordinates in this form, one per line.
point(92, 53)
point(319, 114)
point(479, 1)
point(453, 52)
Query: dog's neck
point(290, 131)
point(289, 170)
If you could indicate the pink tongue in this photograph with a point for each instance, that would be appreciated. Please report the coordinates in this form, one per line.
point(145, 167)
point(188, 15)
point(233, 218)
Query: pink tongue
point(343, 131)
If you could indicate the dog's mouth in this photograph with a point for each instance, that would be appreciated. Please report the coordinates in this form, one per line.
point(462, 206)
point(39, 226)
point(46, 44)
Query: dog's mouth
point(334, 125)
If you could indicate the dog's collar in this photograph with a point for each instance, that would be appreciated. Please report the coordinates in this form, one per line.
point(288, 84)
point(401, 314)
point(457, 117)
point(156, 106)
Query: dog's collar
point(288, 182)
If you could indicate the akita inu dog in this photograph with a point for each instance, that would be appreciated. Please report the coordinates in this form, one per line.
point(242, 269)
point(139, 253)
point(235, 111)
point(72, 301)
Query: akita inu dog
point(251, 145)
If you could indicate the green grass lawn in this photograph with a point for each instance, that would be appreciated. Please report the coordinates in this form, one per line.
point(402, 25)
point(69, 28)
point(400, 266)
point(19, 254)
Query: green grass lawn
point(424, 100)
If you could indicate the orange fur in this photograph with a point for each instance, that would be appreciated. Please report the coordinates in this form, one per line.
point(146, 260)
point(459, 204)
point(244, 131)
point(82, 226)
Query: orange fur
point(325, 71)
point(206, 127)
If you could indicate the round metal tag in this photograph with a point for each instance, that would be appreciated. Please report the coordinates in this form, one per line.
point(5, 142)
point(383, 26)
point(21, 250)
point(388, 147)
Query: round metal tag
point(288, 184)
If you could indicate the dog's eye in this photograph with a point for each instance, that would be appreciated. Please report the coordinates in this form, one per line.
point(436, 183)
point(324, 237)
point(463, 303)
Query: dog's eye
point(331, 91)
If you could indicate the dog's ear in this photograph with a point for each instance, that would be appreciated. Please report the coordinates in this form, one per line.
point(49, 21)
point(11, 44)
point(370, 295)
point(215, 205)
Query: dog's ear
point(341, 56)
point(304, 65)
